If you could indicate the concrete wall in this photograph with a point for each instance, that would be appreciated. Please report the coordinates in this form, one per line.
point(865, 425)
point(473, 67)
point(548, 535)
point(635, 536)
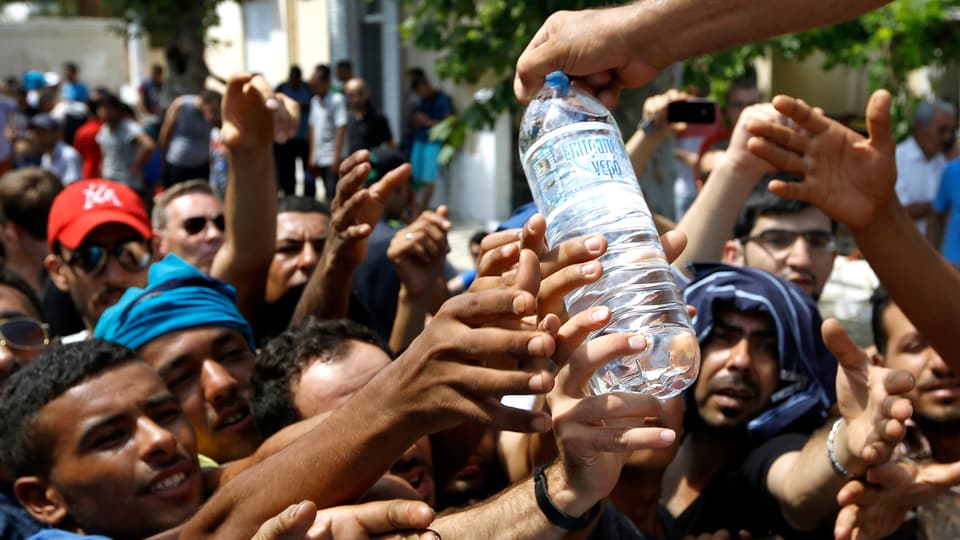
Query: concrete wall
point(44, 43)
point(313, 38)
point(225, 51)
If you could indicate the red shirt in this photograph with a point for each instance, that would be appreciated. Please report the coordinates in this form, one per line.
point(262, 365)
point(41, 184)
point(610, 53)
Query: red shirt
point(85, 141)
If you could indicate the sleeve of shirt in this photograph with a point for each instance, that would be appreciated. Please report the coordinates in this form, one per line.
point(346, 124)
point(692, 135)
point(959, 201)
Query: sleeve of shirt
point(340, 117)
point(74, 170)
point(133, 130)
point(445, 106)
point(942, 203)
point(315, 109)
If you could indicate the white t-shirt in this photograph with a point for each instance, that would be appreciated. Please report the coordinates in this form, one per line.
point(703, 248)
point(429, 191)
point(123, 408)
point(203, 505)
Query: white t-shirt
point(917, 177)
point(119, 152)
point(64, 161)
point(326, 116)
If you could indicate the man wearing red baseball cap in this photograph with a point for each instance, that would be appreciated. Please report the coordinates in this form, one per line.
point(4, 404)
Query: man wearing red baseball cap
point(100, 244)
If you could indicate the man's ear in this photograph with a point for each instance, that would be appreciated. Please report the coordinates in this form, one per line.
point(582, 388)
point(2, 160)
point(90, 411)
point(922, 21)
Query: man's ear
point(43, 501)
point(160, 246)
point(732, 253)
point(57, 269)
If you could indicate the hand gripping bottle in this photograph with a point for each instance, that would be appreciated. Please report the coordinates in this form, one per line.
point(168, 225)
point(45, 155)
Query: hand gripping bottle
point(583, 183)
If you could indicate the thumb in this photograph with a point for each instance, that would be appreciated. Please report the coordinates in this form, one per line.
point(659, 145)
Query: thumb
point(945, 475)
point(291, 524)
point(848, 355)
point(878, 120)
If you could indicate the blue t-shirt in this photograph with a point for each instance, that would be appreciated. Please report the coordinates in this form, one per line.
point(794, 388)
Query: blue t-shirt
point(75, 92)
point(948, 199)
point(302, 96)
point(436, 107)
point(58, 534)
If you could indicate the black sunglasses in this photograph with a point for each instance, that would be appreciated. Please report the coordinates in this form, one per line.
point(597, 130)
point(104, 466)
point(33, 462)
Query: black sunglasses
point(133, 256)
point(195, 224)
point(23, 333)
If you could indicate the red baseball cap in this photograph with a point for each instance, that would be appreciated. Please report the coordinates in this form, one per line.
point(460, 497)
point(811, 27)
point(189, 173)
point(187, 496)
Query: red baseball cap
point(85, 205)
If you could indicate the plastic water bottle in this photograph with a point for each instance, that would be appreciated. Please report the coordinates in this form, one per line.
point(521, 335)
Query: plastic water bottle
point(583, 183)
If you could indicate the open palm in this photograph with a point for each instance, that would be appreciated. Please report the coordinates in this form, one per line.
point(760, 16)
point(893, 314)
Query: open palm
point(849, 177)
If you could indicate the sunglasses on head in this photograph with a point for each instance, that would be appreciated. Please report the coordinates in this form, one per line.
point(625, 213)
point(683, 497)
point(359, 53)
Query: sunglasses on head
point(133, 256)
point(23, 333)
point(195, 224)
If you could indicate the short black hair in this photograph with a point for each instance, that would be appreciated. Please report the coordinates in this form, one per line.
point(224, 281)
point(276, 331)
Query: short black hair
point(879, 301)
point(323, 72)
point(287, 355)
point(345, 64)
point(306, 205)
point(10, 278)
point(478, 237)
point(72, 66)
point(211, 97)
point(764, 203)
point(111, 101)
point(24, 448)
point(26, 196)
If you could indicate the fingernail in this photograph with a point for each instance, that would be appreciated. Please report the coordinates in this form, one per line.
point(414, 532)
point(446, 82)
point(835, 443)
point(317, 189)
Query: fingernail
point(506, 250)
point(520, 304)
point(668, 435)
point(593, 244)
point(447, 224)
point(296, 509)
point(637, 343)
point(272, 103)
point(536, 346)
point(600, 313)
point(590, 268)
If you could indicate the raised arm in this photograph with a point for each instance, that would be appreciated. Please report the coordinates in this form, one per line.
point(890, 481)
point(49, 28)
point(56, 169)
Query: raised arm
point(851, 178)
point(169, 120)
point(436, 384)
point(356, 210)
point(417, 253)
point(591, 452)
point(709, 222)
point(618, 47)
point(873, 410)
point(253, 117)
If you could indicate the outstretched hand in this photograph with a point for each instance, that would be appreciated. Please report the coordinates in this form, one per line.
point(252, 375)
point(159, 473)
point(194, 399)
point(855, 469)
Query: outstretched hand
point(356, 210)
point(872, 400)
point(849, 177)
point(254, 116)
point(397, 519)
point(875, 508)
point(597, 434)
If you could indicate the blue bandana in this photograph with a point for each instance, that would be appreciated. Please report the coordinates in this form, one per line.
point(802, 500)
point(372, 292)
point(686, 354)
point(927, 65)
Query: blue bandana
point(808, 372)
point(177, 297)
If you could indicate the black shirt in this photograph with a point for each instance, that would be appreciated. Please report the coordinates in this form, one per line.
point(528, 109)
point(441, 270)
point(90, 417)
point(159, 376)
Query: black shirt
point(368, 132)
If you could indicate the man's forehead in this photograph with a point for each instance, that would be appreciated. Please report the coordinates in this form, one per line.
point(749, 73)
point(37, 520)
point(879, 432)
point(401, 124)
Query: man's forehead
point(754, 320)
point(190, 342)
point(810, 218)
point(191, 204)
point(107, 393)
point(310, 222)
point(13, 302)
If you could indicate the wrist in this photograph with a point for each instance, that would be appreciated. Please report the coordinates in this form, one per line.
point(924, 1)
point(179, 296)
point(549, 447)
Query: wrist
point(564, 495)
point(844, 462)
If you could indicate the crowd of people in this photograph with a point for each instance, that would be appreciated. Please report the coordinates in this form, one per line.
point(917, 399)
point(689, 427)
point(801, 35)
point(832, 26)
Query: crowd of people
point(205, 354)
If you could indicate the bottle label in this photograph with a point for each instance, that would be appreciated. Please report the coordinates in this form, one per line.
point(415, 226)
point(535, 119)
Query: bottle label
point(575, 158)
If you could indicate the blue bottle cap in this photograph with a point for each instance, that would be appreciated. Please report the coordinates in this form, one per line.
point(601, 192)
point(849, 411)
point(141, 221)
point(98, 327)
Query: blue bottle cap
point(559, 80)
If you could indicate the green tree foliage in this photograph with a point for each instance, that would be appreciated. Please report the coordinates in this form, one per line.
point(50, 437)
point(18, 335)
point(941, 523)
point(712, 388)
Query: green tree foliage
point(478, 42)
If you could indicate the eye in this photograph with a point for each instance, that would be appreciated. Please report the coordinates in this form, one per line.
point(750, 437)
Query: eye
point(778, 239)
point(289, 249)
point(109, 438)
point(179, 379)
point(168, 414)
point(915, 346)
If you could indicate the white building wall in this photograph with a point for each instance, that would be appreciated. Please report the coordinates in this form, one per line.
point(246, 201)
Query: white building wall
point(44, 43)
point(313, 38)
point(225, 48)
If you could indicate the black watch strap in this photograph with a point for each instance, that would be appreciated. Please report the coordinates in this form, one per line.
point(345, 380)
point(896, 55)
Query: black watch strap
point(552, 513)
